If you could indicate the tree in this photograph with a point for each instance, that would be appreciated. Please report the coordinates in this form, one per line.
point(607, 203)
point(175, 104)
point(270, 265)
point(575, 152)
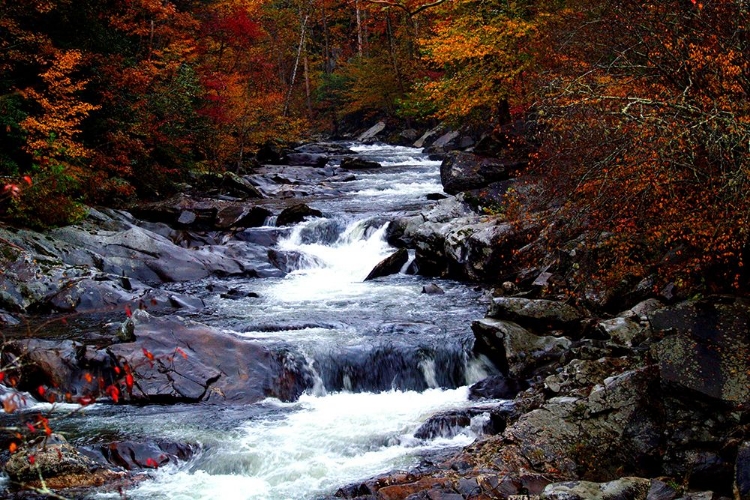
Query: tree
point(646, 139)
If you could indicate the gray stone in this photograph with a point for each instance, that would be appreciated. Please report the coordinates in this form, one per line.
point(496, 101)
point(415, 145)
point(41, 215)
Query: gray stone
point(623, 331)
point(462, 171)
point(371, 134)
point(515, 350)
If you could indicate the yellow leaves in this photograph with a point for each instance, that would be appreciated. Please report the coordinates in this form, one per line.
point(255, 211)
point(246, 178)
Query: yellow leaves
point(52, 132)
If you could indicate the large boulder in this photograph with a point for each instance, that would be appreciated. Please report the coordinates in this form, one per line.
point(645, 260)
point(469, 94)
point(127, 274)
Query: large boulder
point(707, 348)
point(462, 171)
point(514, 350)
point(371, 134)
point(296, 214)
point(170, 361)
point(390, 265)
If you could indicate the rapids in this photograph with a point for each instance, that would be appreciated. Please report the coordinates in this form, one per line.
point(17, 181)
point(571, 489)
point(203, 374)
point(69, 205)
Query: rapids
point(381, 357)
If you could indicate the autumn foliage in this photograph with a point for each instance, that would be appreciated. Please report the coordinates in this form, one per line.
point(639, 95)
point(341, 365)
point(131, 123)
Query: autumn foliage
point(640, 109)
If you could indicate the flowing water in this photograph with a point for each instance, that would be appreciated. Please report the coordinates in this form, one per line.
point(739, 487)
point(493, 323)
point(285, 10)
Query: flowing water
point(383, 356)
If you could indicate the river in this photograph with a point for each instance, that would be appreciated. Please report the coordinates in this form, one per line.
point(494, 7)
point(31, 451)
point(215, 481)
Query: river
point(383, 356)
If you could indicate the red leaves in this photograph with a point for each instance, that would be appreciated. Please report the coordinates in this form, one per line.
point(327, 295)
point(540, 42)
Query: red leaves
point(113, 392)
point(150, 462)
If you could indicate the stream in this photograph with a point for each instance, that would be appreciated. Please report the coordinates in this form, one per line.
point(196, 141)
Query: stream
point(382, 356)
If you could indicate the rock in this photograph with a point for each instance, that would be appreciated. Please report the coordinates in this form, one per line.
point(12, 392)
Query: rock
point(464, 171)
point(51, 460)
point(623, 331)
point(708, 348)
point(136, 455)
point(186, 362)
point(432, 289)
point(216, 366)
point(235, 216)
point(662, 490)
point(742, 473)
point(352, 163)
point(240, 186)
point(535, 313)
point(308, 159)
point(186, 218)
point(436, 196)
point(494, 387)
point(296, 214)
point(271, 153)
point(627, 488)
point(446, 425)
point(390, 265)
point(428, 137)
point(514, 350)
point(443, 144)
point(580, 375)
point(370, 135)
point(288, 261)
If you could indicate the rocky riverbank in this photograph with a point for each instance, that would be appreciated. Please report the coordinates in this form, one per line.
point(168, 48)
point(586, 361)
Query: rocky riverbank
point(626, 394)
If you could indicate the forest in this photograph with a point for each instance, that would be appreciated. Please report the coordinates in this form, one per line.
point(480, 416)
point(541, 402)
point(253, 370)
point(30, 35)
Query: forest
point(639, 110)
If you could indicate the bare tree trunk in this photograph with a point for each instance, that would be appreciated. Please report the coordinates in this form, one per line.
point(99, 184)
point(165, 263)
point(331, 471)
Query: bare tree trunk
point(307, 87)
point(359, 28)
point(300, 48)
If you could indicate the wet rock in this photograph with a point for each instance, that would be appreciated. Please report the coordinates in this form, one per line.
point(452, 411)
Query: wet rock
point(216, 366)
point(296, 214)
point(241, 217)
point(436, 196)
point(627, 488)
point(535, 313)
point(464, 171)
point(432, 289)
point(495, 387)
point(742, 472)
point(353, 163)
point(514, 350)
point(390, 265)
point(136, 455)
point(708, 348)
point(288, 261)
point(447, 424)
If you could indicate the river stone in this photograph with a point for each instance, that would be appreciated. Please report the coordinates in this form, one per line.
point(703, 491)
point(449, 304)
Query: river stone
point(535, 313)
point(626, 488)
point(708, 349)
point(432, 289)
point(494, 387)
point(352, 163)
point(135, 455)
point(390, 265)
point(514, 350)
point(295, 214)
point(308, 159)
